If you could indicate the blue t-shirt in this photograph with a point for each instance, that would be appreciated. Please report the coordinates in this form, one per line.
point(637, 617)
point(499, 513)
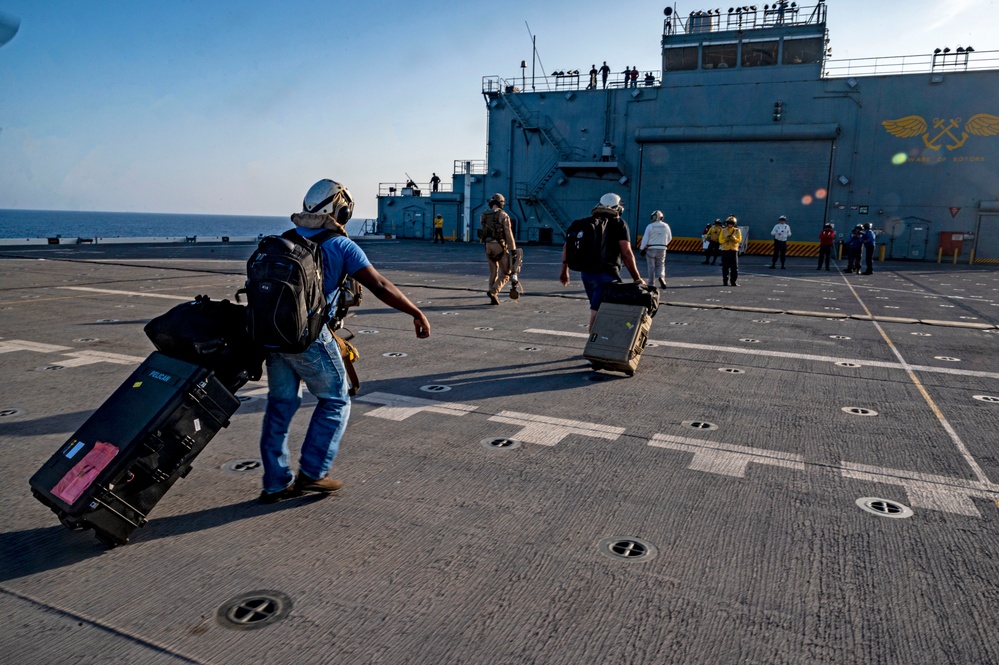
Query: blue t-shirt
point(340, 254)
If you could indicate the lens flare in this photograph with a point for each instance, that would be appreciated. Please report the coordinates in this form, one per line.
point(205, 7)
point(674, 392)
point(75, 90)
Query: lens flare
point(806, 200)
point(820, 194)
point(899, 158)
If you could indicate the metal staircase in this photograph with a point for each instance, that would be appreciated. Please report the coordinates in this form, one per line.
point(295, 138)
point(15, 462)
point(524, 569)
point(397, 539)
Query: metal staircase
point(533, 192)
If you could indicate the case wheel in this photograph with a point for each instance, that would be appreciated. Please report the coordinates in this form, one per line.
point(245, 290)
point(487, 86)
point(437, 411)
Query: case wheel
point(70, 523)
point(108, 540)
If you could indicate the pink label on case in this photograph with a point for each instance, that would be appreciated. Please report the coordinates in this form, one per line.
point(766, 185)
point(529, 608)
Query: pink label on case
point(84, 472)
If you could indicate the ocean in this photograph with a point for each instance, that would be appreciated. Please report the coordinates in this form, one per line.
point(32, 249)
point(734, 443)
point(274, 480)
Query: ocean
point(77, 224)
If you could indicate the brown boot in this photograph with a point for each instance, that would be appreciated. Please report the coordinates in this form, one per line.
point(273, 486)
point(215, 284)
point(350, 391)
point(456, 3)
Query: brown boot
point(326, 485)
point(493, 299)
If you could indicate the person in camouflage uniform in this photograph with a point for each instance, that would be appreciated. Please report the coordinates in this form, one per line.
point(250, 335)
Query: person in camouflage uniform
point(497, 234)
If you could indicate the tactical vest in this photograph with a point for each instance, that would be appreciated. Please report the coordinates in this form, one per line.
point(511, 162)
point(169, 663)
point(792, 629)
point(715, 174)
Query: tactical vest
point(492, 226)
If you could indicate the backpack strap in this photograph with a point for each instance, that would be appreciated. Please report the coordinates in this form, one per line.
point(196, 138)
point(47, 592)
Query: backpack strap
point(321, 237)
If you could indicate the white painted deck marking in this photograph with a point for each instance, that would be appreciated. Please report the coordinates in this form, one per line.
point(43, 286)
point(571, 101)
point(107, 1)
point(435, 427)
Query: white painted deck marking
point(546, 431)
point(949, 495)
point(726, 459)
point(791, 356)
point(6, 346)
point(80, 358)
point(400, 407)
point(911, 371)
point(929, 491)
point(145, 294)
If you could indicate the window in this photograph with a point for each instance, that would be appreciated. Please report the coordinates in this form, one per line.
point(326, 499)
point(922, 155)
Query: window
point(681, 58)
point(720, 56)
point(759, 54)
point(802, 51)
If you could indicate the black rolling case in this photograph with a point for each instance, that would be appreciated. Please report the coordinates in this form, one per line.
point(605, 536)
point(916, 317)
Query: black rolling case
point(128, 454)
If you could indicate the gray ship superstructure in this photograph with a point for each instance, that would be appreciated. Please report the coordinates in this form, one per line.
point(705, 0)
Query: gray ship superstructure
point(747, 116)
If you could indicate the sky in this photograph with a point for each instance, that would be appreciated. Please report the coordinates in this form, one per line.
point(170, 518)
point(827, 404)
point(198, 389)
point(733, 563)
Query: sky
point(227, 107)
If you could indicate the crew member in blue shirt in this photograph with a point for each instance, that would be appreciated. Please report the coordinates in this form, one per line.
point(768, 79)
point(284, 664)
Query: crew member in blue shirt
point(868, 239)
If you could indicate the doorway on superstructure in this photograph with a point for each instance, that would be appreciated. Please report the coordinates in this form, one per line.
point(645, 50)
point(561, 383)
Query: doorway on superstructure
point(987, 238)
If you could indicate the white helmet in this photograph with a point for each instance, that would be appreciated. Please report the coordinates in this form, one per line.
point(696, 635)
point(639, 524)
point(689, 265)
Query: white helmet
point(612, 201)
point(331, 198)
point(657, 216)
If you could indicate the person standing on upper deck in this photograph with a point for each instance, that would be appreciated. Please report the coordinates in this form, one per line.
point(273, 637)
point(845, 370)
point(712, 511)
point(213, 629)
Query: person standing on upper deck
point(604, 73)
point(435, 182)
point(781, 232)
point(593, 78)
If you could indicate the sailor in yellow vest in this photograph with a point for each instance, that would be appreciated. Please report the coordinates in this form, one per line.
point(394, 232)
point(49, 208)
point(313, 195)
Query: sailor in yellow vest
point(730, 238)
point(497, 234)
point(439, 228)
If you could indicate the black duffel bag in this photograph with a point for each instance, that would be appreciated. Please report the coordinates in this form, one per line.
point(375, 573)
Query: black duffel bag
point(630, 293)
point(210, 334)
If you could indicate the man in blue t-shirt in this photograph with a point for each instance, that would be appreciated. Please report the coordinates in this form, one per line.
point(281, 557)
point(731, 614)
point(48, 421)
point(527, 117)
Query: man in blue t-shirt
point(327, 205)
point(868, 237)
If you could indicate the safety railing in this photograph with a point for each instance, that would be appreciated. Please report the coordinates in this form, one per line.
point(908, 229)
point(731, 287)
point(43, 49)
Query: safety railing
point(410, 188)
point(495, 85)
point(943, 61)
point(751, 17)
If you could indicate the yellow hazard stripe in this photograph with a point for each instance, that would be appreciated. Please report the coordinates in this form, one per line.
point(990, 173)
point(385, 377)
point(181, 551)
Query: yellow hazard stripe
point(762, 247)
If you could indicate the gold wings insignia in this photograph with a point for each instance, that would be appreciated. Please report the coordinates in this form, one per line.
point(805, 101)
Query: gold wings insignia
point(910, 125)
point(983, 124)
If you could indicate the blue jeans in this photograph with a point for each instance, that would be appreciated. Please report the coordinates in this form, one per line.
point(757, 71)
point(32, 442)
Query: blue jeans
point(321, 368)
point(594, 283)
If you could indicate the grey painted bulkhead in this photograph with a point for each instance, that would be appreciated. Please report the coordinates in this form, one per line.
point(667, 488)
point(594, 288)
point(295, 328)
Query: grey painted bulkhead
point(704, 144)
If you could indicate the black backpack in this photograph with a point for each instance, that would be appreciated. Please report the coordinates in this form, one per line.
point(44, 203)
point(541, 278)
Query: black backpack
point(287, 307)
point(585, 241)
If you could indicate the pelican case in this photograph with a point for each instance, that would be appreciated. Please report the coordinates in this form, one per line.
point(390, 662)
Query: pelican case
point(621, 329)
point(131, 451)
point(620, 333)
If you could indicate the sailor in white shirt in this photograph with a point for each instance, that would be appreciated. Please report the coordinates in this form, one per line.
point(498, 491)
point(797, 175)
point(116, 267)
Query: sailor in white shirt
point(654, 241)
point(781, 232)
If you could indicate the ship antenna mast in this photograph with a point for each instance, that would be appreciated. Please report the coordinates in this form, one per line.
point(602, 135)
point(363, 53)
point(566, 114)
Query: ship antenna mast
point(534, 55)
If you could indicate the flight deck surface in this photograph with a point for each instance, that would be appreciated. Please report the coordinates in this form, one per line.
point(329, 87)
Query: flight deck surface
point(803, 469)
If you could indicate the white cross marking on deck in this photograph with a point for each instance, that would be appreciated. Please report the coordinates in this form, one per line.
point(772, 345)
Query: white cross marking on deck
point(949, 495)
point(724, 458)
point(20, 345)
point(80, 358)
point(400, 407)
point(145, 294)
point(549, 431)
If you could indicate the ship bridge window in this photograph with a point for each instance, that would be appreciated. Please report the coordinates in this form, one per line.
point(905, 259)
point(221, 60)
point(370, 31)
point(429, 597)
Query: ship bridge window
point(681, 58)
point(803, 51)
point(720, 56)
point(759, 54)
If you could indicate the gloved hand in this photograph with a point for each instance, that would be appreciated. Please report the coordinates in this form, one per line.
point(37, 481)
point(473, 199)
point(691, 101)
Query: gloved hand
point(642, 252)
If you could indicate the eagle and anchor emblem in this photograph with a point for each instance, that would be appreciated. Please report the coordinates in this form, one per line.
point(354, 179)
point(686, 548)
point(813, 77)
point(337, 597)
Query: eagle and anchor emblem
point(980, 124)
